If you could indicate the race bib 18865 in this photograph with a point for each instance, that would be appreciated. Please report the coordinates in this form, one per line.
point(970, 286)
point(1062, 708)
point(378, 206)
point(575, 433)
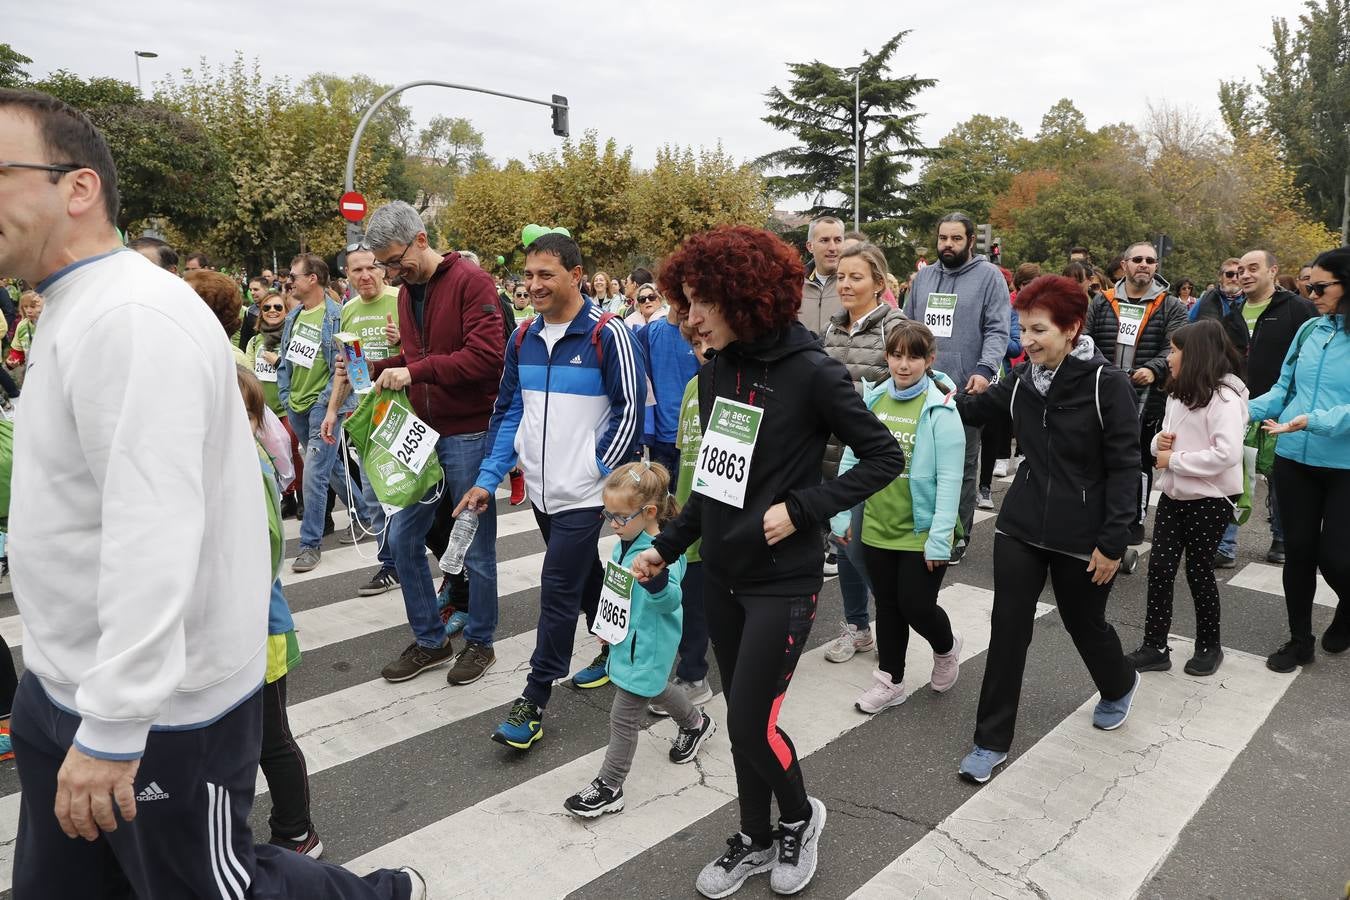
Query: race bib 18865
point(612, 616)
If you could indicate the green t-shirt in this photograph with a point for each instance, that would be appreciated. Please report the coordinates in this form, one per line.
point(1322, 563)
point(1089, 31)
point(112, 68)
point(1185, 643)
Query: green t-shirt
point(366, 320)
point(265, 373)
point(888, 516)
point(688, 440)
point(23, 335)
point(1252, 311)
point(308, 384)
point(523, 314)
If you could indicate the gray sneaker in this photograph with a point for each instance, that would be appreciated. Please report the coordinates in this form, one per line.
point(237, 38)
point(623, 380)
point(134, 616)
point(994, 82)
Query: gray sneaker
point(797, 846)
point(724, 876)
point(698, 693)
point(307, 560)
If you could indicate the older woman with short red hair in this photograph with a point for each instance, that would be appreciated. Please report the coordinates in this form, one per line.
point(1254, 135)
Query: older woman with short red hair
point(1067, 514)
point(769, 399)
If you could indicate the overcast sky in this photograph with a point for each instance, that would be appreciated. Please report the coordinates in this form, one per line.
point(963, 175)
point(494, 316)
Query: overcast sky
point(688, 72)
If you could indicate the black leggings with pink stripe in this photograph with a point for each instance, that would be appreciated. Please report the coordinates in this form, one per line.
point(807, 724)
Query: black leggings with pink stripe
point(757, 641)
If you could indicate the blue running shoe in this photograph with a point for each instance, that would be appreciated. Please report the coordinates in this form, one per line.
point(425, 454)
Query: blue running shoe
point(980, 763)
point(455, 624)
point(6, 743)
point(596, 674)
point(1110, 714)
point(523, 726)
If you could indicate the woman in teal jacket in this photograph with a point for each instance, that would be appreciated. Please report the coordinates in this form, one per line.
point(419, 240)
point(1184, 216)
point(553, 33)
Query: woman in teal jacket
point(908, 527)
point(1309, 408)
point(642, 623)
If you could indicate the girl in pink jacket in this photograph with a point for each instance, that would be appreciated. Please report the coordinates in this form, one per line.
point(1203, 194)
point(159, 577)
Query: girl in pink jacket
point(1199, 452)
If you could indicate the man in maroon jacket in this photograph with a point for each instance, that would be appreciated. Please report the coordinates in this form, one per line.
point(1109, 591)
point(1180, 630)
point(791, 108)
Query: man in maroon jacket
point(453, 347)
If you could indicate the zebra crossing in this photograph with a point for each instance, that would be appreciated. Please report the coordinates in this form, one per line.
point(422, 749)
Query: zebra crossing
point(405, 774)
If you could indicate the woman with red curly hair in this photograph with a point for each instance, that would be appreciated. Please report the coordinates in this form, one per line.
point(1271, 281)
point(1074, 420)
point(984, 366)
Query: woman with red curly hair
point(771, 398)
point(1067, 514)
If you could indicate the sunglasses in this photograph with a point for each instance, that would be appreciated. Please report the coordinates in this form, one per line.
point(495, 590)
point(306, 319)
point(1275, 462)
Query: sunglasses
point(359, 245)
point(1147, 260)
point(1232, 274)
point(1318, 288)
point(272, 307)
point(645, 297)
point(620, 519)
point(521, 295)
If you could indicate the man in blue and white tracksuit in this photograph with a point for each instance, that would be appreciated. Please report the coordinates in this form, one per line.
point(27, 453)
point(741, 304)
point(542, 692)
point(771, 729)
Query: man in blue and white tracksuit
point(570, 409)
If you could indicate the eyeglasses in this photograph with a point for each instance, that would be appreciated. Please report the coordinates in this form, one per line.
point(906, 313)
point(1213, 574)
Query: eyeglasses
point(1146, 260)
point(1231, 274)
point(359, 245)
point(41, 167)
point(620, 519)
point(1318, 288)
point(395, 263)
point(272, 307)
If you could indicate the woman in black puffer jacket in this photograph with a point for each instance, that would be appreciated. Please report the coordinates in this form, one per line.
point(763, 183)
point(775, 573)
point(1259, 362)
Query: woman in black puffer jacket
point(1067, 514)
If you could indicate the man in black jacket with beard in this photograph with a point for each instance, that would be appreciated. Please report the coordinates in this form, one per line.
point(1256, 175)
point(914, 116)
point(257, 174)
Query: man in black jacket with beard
point(1262, 323)
point(1133, 331)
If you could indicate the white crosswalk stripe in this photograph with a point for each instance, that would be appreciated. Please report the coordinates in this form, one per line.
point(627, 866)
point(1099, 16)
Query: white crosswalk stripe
point(1059, 821)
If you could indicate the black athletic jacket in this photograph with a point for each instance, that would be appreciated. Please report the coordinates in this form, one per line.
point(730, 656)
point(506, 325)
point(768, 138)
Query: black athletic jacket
point(1264, 347)
point(806, 396)
point(1078, 488)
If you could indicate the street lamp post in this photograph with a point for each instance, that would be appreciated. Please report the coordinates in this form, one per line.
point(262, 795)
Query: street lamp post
point(558, 104)
point(856, 72)
point(142, 54)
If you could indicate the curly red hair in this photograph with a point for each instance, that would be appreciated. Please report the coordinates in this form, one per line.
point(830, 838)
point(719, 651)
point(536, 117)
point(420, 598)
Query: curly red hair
point(1062, 299)
point(751, 275)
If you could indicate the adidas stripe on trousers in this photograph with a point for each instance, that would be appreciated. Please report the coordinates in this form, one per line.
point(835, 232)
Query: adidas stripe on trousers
point(190, 837)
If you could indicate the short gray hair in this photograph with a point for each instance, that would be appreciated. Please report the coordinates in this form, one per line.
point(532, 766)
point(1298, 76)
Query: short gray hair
point(393, 223)
point(823, 220)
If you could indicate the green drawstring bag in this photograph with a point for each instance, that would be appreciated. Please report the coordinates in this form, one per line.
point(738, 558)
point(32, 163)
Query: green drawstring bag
point(6, 465)
point(397, 449)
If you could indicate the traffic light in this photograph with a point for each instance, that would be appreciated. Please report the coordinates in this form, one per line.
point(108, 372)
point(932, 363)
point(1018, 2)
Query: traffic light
point(984, 238)
point(560, 126)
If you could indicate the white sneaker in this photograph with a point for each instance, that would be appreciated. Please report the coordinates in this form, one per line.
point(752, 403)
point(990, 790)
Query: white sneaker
point(1001, 468)
point(851, 640)
point(881, 695)
point(831, 565)
point(947, 666)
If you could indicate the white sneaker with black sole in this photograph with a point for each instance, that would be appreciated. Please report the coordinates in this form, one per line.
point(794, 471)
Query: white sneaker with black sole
point(594, 800)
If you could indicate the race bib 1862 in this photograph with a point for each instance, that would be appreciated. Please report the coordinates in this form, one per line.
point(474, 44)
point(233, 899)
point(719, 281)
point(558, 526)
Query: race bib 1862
point(723, 467)
point(1131, 316)
point(940, 313)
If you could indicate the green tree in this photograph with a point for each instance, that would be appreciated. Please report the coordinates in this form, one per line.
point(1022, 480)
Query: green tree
point(286, 150)
point(12, 72)
point(491, 206)
point(817, 109)
point(168, 166)
point(1305, 102)
point(445, 151)
point(584, 188)
point(687, 192)
point(389, 133)
point(973, 164)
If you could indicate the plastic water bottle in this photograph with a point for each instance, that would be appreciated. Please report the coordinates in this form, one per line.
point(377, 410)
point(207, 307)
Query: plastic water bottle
point(466, 526)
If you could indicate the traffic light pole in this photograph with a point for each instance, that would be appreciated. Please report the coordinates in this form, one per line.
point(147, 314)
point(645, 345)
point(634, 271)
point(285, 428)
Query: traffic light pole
point(558, 104)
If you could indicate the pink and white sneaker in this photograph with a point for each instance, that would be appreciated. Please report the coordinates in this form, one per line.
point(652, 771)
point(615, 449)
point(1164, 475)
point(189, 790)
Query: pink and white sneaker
point(947, 666)
point(881, 695)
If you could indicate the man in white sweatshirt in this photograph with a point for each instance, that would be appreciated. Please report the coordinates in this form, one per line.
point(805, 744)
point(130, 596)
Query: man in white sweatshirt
point(142, 568)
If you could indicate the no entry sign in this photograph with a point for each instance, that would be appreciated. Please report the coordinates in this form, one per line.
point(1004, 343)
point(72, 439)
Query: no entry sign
point(352, 206)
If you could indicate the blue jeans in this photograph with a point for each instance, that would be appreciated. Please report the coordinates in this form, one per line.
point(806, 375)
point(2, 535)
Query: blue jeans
point(373, 514)
point(853, 583)
point(324, 467)
point(461, 455)
point(1228, 543)
point(693, 664)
